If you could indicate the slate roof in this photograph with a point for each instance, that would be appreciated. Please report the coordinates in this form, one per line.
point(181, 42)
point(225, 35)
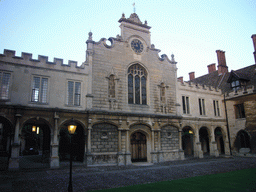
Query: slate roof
point(222, 81)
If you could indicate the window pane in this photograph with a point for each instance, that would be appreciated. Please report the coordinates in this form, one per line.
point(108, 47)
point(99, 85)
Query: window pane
point(187, 103)
point(203, 107)
point(35, 90)
point(44, 87)
point(130, 89)
point(218, 109)
point(200, 107)
point(183, 104)
point(214, 107)
point(144, 90)
point(77, 93)
point(137, 90)
point(5, 85)
point(70, 92)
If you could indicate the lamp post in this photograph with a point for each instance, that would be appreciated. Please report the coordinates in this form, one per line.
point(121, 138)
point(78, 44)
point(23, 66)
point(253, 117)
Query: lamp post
point(71, 129)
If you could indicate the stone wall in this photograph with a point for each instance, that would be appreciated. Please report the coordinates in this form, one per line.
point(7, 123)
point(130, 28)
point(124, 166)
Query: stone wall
point(169, 138)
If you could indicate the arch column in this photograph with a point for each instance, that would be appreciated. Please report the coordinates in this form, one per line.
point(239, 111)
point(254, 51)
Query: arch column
point(55, 161)
point(213, 144)
point(198, 148)
point(120, 155)
point(226, 142)
point(89, 146)
point(14, 160)
point(153, 152)
point(181, 152)
point(127, 150)
point(160, 153)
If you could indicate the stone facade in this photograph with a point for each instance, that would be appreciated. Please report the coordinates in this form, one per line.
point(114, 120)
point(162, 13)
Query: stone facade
point(125, 100)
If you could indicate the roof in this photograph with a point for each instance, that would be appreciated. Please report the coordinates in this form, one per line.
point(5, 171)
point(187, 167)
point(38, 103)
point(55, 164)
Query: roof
point(223, 81)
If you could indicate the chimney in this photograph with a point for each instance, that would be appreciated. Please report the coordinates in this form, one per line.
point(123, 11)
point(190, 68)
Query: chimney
point(254, 44)
point(180, 79)
point(191, 76)
point(222, 67)
point(211, 68)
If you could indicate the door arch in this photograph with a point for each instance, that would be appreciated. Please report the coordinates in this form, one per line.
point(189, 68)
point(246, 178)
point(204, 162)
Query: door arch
point(204, 139)
point(35, 138)
point(188, 141)
point(6, 130)
point(242, 140)
point(219, 140)
point(138, 147)
point(78, 143)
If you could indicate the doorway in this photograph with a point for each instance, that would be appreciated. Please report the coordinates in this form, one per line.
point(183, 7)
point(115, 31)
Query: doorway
point(139, 147)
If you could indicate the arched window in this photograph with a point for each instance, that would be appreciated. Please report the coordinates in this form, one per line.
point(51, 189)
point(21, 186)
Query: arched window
point(137, 85)
point(111, 87)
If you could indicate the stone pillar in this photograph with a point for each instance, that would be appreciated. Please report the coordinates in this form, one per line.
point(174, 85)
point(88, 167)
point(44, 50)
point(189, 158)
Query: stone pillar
point(153, 152)
point(226, 143)
point(198, 148)
point(120, 155)
point(55, 161)
point(213, 144)
point(181, 152)
point(14, 160)
point(89, 146)
point(160, 153)
point(127, 150)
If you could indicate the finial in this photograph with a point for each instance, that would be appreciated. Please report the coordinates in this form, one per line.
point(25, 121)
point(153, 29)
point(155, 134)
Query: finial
point(123, 15)
point(90, 35)
point(173, 60)
point(146, 22)
point(133, 7)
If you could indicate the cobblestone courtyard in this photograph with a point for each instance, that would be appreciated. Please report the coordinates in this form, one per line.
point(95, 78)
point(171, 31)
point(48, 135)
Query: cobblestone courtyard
point(92, 178)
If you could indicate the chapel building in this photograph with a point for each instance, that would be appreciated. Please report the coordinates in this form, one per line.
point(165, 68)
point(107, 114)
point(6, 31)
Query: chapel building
point(125, 99)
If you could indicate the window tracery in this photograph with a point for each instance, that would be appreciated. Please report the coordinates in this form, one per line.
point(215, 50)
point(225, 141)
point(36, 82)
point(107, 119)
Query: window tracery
point(137, 85)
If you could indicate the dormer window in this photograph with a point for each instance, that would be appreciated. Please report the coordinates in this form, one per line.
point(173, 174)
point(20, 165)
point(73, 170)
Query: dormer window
point(235, 85)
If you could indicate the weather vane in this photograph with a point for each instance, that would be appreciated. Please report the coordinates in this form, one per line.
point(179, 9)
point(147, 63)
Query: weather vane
point(133, 7)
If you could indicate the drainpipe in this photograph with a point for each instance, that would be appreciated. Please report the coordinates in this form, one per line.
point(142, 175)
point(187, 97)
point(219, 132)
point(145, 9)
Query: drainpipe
point(227, 124)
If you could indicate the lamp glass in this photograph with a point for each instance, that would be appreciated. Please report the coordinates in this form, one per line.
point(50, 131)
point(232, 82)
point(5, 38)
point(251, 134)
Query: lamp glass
point(33, 128)
point(190, 132)
point(37, 130)
point(72, 129)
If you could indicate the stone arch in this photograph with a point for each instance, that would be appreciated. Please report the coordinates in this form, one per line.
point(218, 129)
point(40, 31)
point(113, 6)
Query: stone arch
point(188, 140)
point(38, 138)
point(143, 130)
point(6, 132)
point(242, 140)
point(204, 138)
point(78, 141)
point(220, 140)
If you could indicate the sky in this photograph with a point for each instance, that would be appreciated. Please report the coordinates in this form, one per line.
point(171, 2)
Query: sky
point(192, 30)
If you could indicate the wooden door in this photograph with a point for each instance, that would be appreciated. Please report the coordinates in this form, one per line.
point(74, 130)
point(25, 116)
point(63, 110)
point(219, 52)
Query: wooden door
point(138, 147)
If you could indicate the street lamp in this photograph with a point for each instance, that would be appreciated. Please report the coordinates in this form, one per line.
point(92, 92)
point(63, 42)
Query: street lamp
point(71, 129)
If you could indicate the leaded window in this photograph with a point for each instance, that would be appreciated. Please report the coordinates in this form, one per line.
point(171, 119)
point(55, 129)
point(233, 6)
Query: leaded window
point(185, 105)
point(74, 93)
point(5, 79)
point(201, 106)
point(39, 89)
point(216, 108)
point(137, 85)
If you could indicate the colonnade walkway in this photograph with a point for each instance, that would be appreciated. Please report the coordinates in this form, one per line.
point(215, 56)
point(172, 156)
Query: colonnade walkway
point(101, 177)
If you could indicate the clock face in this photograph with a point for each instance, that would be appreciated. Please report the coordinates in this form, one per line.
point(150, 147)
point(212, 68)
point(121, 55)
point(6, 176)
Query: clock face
point(137, 46)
